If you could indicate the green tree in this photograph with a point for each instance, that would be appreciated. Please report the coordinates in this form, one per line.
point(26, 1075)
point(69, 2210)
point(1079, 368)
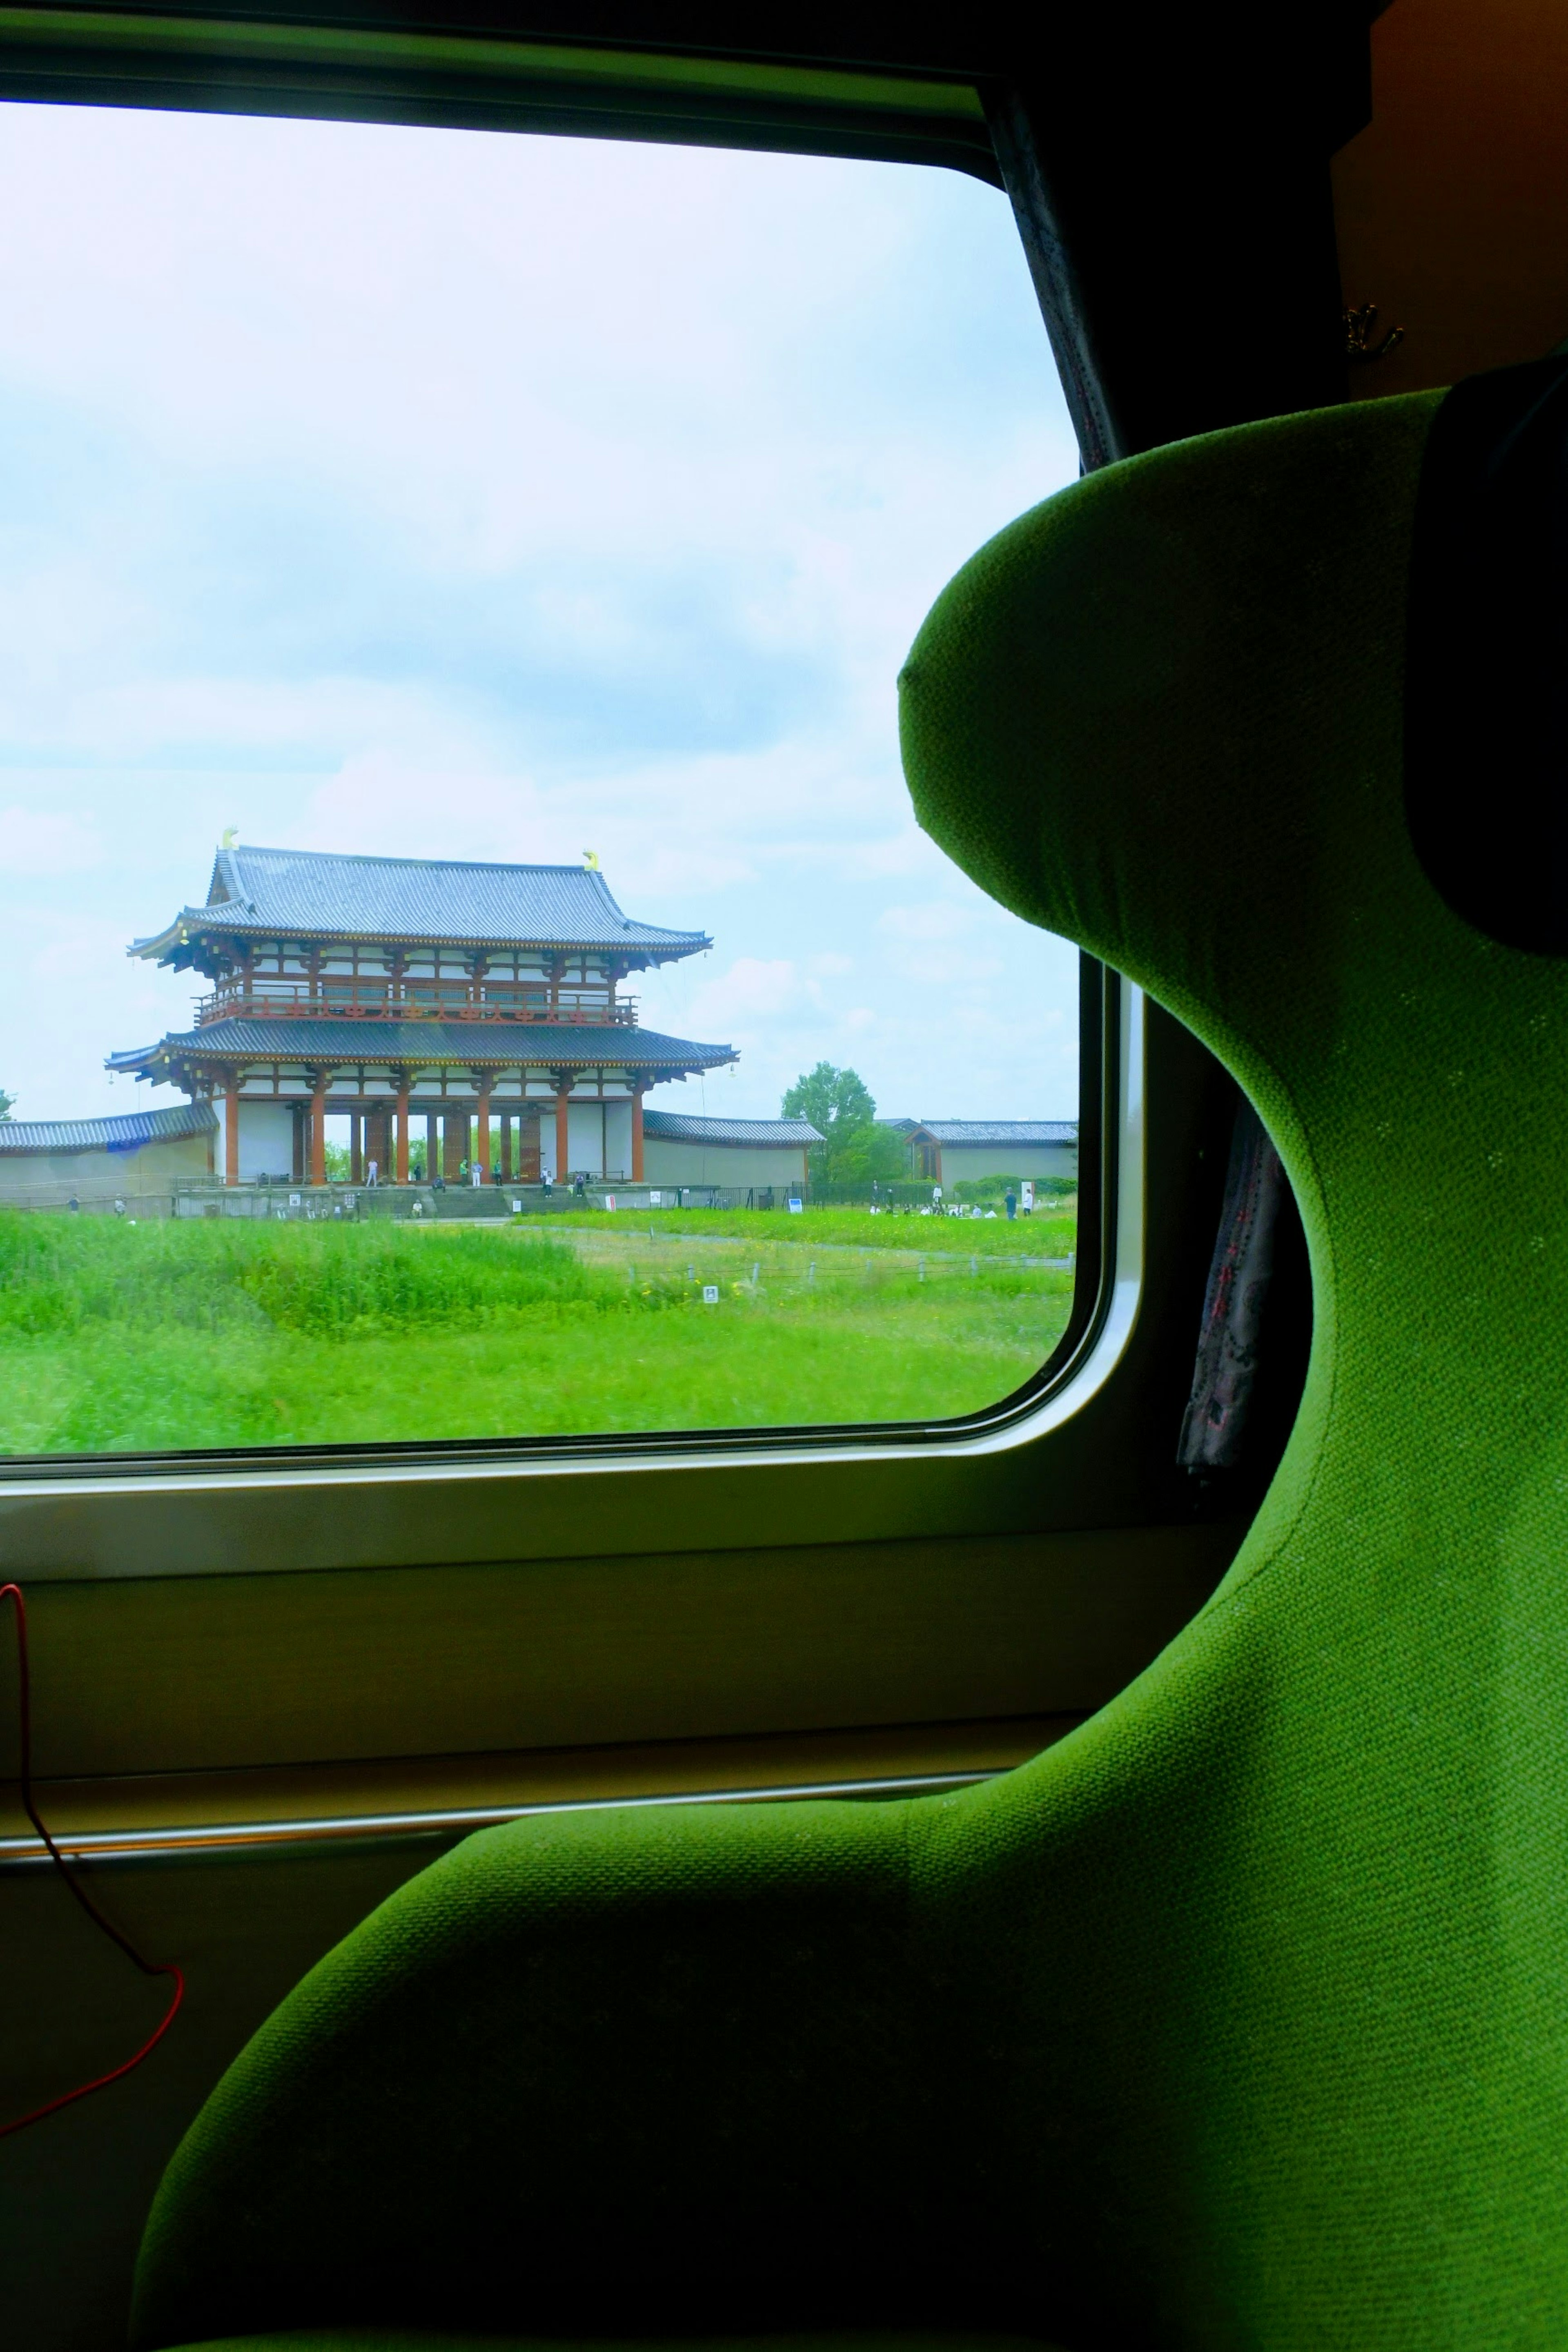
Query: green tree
point(7, 1104)
point(839, 1106)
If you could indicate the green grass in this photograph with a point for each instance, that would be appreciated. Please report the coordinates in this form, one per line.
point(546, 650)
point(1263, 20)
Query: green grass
point(1036, 1236)
point(117, 1338)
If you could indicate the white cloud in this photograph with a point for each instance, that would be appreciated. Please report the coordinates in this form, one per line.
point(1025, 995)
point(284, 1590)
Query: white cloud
point(938, 918)
point(750, 991)
point(34, 842)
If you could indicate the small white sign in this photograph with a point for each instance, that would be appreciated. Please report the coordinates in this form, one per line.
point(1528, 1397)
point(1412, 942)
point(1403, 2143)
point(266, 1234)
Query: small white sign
point(796, 1207)
point(709, 1294)
point(609, 1200)
point(293, 1200)
point(655, 1200)
point(516, 1208)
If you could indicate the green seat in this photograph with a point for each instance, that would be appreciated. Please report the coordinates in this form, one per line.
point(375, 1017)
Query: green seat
point(1241, 2018)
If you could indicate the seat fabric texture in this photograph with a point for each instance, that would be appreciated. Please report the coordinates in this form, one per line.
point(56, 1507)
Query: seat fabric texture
point(1239, 2020)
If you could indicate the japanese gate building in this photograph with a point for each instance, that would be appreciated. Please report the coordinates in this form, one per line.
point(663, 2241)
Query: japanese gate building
point(397, 989)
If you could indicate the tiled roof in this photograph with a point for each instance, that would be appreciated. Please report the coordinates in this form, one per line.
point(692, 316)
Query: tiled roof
point(982, 1132)
point(305, 893)
point(121, 1134)
point(678, 1127)
point(425, 1044)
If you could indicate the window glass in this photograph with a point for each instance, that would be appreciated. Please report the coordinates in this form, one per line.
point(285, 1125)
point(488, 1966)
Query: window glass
point(454, 586)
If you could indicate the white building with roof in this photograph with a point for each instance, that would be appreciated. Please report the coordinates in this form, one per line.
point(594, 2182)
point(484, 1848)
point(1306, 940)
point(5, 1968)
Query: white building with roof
point(486, 1001)
point(949, 1152)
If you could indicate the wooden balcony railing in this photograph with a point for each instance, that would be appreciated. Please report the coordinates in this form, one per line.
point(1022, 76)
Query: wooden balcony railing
point(413, 1000)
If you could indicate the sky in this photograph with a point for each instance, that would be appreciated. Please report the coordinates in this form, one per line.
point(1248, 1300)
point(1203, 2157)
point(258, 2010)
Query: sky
point(430, 493)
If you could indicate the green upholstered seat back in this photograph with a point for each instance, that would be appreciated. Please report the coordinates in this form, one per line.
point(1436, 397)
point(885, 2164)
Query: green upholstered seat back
point(1163, 715)
point(1239, 2020)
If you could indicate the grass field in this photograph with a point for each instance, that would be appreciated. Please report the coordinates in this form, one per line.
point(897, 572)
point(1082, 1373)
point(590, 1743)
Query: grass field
point(117, 1337)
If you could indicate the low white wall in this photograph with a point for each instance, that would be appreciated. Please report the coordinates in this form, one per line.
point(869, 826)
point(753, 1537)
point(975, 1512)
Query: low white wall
point(742, 1166)
point(49, 1179)
point(967, 1164)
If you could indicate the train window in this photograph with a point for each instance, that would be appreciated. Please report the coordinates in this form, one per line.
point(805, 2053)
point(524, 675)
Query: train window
point(453, 589)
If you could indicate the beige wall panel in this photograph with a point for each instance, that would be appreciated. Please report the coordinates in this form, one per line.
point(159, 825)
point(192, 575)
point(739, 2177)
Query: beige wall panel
point(194, 1674)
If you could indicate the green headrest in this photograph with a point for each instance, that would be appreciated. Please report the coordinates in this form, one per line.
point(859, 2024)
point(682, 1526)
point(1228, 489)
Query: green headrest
point(1163, 714)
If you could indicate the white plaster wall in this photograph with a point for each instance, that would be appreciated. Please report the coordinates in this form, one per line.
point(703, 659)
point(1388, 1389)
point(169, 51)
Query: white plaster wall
point(586, 1139)
point(265, 1140)
point(618, 1138)
point(49, 1179)
point(742, 1166)
point(966, 1163)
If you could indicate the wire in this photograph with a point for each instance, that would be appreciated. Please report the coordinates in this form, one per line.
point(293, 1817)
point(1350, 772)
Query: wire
point(148, 1967)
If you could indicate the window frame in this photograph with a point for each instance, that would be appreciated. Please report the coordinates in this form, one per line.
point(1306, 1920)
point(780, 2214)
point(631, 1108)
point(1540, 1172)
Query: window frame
point(46, 1504)
point(1023, 1562)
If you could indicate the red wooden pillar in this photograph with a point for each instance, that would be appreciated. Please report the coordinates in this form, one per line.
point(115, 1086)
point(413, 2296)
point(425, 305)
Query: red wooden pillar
point(231, 1129)
point(637, 1133)
point(563, 1140)
point(356, 1156)
point(482, 1140)
point(318, 1129)
point(401, 1170)
point(506, 1147)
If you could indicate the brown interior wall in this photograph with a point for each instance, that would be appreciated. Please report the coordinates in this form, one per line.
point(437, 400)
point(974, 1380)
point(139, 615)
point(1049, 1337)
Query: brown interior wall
point(526, 1165)
point(76, 2188)
point(378, 1141)
point(455, 1127)
point(1448, 207)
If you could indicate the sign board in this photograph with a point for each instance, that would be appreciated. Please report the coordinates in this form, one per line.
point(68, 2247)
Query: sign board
point(655, 1200)
point(709, 1294)
point(796, 1208)
point(516, 1208)
point(293, 1200)
point(609, 1200)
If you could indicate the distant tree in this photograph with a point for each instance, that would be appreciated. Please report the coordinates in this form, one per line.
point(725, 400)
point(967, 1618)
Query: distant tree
point(838, 1104)
point(875, 1153)
point(7, 1104)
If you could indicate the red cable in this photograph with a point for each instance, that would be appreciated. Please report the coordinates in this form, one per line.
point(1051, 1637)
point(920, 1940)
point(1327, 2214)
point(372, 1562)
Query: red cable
point(148, 1967)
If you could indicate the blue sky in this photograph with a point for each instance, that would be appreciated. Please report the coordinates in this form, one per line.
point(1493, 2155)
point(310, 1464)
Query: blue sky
point(426, 493)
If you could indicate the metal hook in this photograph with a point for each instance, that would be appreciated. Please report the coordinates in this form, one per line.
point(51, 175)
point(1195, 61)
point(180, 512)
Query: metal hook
point(1359, 327)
